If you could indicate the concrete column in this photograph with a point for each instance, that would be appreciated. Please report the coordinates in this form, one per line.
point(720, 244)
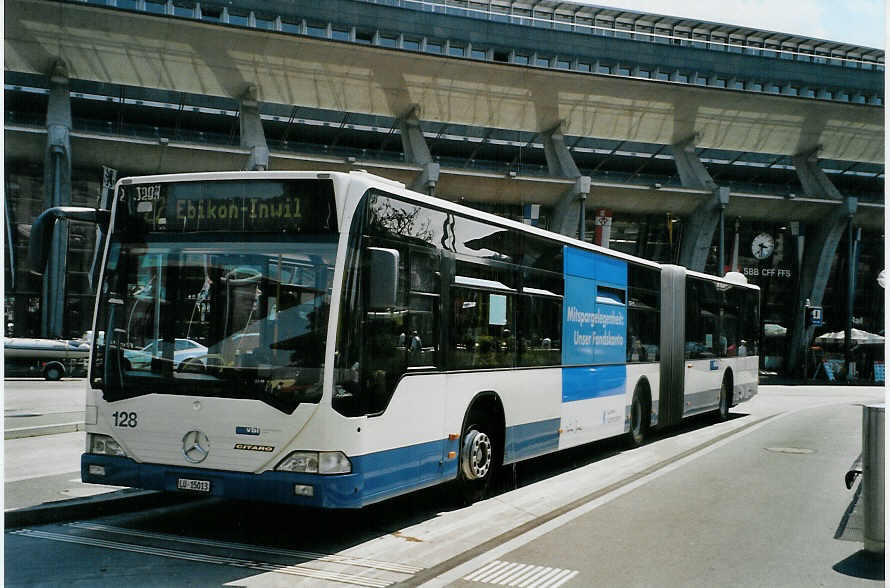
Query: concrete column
point(252, 135)
point(10, 249)
point(418, 152)
point(820, 247)
point(698, 234)
point(57, 192)
point(559, 160)
point(813, 180)
point(693, 173)
point(568, 214)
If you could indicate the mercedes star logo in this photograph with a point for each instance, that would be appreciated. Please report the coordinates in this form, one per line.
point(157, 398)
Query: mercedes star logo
point(195, 446)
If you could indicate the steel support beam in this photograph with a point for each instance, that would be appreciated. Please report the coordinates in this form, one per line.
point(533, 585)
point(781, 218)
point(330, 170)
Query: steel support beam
point(57, 192)
point(418, 152)
point(252, 135)
point(698, 234)
point(568, 214)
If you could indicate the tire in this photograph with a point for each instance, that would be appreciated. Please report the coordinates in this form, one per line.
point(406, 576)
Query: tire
point(478, 460)
point(191, 365)
point(53, 372)
point(725, 398)
point(639, 417)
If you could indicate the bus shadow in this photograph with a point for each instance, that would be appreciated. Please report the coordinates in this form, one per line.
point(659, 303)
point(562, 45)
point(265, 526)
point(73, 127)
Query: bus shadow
point(862, 564)
point(541, 468)
point(333, 531)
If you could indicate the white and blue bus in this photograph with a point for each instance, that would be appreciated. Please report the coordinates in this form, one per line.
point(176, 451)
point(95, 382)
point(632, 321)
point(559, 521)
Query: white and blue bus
point(361, 341)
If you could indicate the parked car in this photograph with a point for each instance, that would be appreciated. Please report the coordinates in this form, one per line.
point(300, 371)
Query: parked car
point(183, 350)
point(222, 353)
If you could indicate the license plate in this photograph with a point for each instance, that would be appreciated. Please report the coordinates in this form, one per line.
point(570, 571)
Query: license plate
point(193, 485)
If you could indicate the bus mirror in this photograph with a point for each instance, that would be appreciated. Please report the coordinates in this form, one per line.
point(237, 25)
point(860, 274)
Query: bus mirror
point(43, 227)
point(383, 271)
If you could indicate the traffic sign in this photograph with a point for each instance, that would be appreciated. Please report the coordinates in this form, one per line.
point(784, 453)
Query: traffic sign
point(813, 316)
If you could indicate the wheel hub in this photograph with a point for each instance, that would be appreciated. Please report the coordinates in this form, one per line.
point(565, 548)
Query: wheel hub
point(476, 455)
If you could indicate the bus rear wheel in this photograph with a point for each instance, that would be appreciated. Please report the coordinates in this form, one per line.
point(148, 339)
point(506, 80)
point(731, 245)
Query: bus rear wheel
point(477, 461)
point(639, 417)
point(725, 398)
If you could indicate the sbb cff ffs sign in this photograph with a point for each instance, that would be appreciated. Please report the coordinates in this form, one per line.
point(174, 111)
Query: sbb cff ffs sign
point(813, 316)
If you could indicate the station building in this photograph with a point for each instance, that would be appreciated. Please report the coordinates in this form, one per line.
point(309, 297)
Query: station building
point(710, 145)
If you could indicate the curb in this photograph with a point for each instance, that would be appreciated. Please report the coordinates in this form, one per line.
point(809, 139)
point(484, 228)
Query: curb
point(112, 503)
point(23, 432)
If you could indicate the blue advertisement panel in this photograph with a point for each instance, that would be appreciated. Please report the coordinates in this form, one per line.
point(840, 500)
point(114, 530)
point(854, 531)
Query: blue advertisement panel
point(586, 264)
point(582, 383)
point(594, 308)
point(579, 308)
point(594, 325)
point(610, 345)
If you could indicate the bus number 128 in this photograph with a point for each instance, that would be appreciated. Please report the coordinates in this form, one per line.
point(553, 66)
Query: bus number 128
point(125, 419)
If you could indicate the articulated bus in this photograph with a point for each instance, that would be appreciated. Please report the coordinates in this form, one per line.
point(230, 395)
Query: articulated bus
point(356, 340)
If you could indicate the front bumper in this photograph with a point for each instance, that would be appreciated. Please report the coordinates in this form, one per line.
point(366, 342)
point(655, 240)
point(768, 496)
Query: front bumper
point(330, 491)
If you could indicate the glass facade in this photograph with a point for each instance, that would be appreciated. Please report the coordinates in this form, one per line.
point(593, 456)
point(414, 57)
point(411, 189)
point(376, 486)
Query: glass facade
point(766, 253)
point(24, 203)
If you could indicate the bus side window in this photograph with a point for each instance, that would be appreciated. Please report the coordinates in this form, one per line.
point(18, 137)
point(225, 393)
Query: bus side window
point(750, 322)
point(702, 319)
point(382, 336)
point(422, 321)
point(731, 335)
point(643, 317)
point(482, 330)
point(383, 342)
point(539, 321)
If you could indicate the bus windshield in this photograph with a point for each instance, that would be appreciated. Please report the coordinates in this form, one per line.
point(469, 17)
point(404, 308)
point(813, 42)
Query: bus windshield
point(223, 314)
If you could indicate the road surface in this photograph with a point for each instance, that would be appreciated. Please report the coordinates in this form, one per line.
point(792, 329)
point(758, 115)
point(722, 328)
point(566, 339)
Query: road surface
point(753, 501)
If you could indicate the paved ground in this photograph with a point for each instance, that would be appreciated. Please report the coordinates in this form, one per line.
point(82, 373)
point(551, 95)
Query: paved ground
point(34, 406)
point(42, 447)
point(752, 501)
point(761, 511)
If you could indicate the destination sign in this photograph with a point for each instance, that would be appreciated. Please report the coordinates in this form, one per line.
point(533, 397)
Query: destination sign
point(233, 206)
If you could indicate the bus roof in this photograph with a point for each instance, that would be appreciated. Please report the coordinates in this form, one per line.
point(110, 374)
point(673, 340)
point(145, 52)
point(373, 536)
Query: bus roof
point(498, 220)
point(398, 188)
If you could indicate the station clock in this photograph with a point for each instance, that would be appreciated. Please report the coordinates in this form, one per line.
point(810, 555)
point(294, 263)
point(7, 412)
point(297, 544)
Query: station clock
point(763, 245)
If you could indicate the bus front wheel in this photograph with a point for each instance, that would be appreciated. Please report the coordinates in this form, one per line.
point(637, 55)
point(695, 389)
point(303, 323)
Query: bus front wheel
point(477, 461)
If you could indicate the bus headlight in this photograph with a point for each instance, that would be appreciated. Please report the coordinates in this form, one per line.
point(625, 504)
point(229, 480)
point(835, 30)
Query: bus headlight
point(316, 462)
point(333, 462)
point(104, 445)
